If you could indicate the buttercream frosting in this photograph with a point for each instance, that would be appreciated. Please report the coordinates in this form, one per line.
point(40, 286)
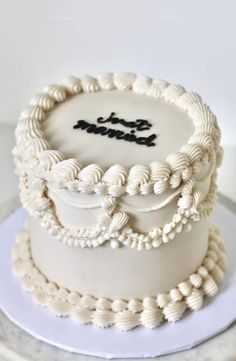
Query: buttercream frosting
point(126, 161)
point(177, 168)
point(123, 314)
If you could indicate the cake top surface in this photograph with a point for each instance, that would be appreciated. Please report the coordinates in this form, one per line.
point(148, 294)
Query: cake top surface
point(116, 133)
point(97, 128)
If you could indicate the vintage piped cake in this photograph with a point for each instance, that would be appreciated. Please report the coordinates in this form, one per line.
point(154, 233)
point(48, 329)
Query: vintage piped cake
point(118, 175)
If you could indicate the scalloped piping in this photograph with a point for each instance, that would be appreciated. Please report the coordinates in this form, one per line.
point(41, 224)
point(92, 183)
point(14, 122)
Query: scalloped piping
point(115, 181)
point(113, 226)
point(122, 314)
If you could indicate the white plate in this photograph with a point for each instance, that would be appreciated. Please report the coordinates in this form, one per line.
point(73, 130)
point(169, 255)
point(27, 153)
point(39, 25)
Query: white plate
point(194, 328)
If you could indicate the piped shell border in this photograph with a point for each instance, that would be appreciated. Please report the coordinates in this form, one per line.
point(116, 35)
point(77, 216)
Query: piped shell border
point(122, 314)
point(33, 153)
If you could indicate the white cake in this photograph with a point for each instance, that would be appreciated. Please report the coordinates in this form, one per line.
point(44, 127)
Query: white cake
point(118, 175)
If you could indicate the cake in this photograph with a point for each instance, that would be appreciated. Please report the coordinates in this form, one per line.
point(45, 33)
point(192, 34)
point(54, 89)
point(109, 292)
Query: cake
point(118, 175)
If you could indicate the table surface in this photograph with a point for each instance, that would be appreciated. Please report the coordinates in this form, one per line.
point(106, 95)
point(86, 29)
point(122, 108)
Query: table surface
point(17, 345)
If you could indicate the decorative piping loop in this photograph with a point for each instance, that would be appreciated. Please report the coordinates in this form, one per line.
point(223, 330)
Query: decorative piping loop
point(155, 178)
point(113, 226)
point(122, 314)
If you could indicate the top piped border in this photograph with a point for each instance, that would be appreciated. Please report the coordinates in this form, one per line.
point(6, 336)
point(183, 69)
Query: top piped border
point(33, 154)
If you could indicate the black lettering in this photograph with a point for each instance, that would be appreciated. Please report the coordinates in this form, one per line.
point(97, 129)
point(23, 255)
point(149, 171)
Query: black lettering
point(139, 124)
point(91, 128)
point(143, 124)
point(148, 141)
point(130, 137)
point(100, 130)
point(81, 124)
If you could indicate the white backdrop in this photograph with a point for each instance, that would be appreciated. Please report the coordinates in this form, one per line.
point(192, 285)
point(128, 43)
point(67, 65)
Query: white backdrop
point(191, 42)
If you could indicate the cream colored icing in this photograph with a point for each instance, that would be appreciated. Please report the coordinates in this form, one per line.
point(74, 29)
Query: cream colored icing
point(146, 96)
point(84, 191)
point(126, 105)
point(108, 224)
point(95, 271)
point(149, 311)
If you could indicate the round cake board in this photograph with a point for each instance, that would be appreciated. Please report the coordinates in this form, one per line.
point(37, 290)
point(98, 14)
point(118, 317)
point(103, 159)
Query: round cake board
point(195, 327)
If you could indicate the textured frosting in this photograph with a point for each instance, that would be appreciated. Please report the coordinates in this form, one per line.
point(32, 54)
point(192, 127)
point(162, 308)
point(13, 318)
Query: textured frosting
point(177, 168)
point(95, 270)
point(147, 194)
point(113, 225)
point(123, 314)
point(181, 171)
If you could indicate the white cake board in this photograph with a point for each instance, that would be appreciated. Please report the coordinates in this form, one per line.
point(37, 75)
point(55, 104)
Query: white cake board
point(196, 327)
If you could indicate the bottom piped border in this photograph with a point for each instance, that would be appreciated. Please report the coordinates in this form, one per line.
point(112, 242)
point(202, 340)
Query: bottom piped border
point(125, 315)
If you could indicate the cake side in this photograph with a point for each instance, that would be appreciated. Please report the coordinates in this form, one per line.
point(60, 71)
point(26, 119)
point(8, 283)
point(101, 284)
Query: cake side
point(125, 315)
point(152, 261)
